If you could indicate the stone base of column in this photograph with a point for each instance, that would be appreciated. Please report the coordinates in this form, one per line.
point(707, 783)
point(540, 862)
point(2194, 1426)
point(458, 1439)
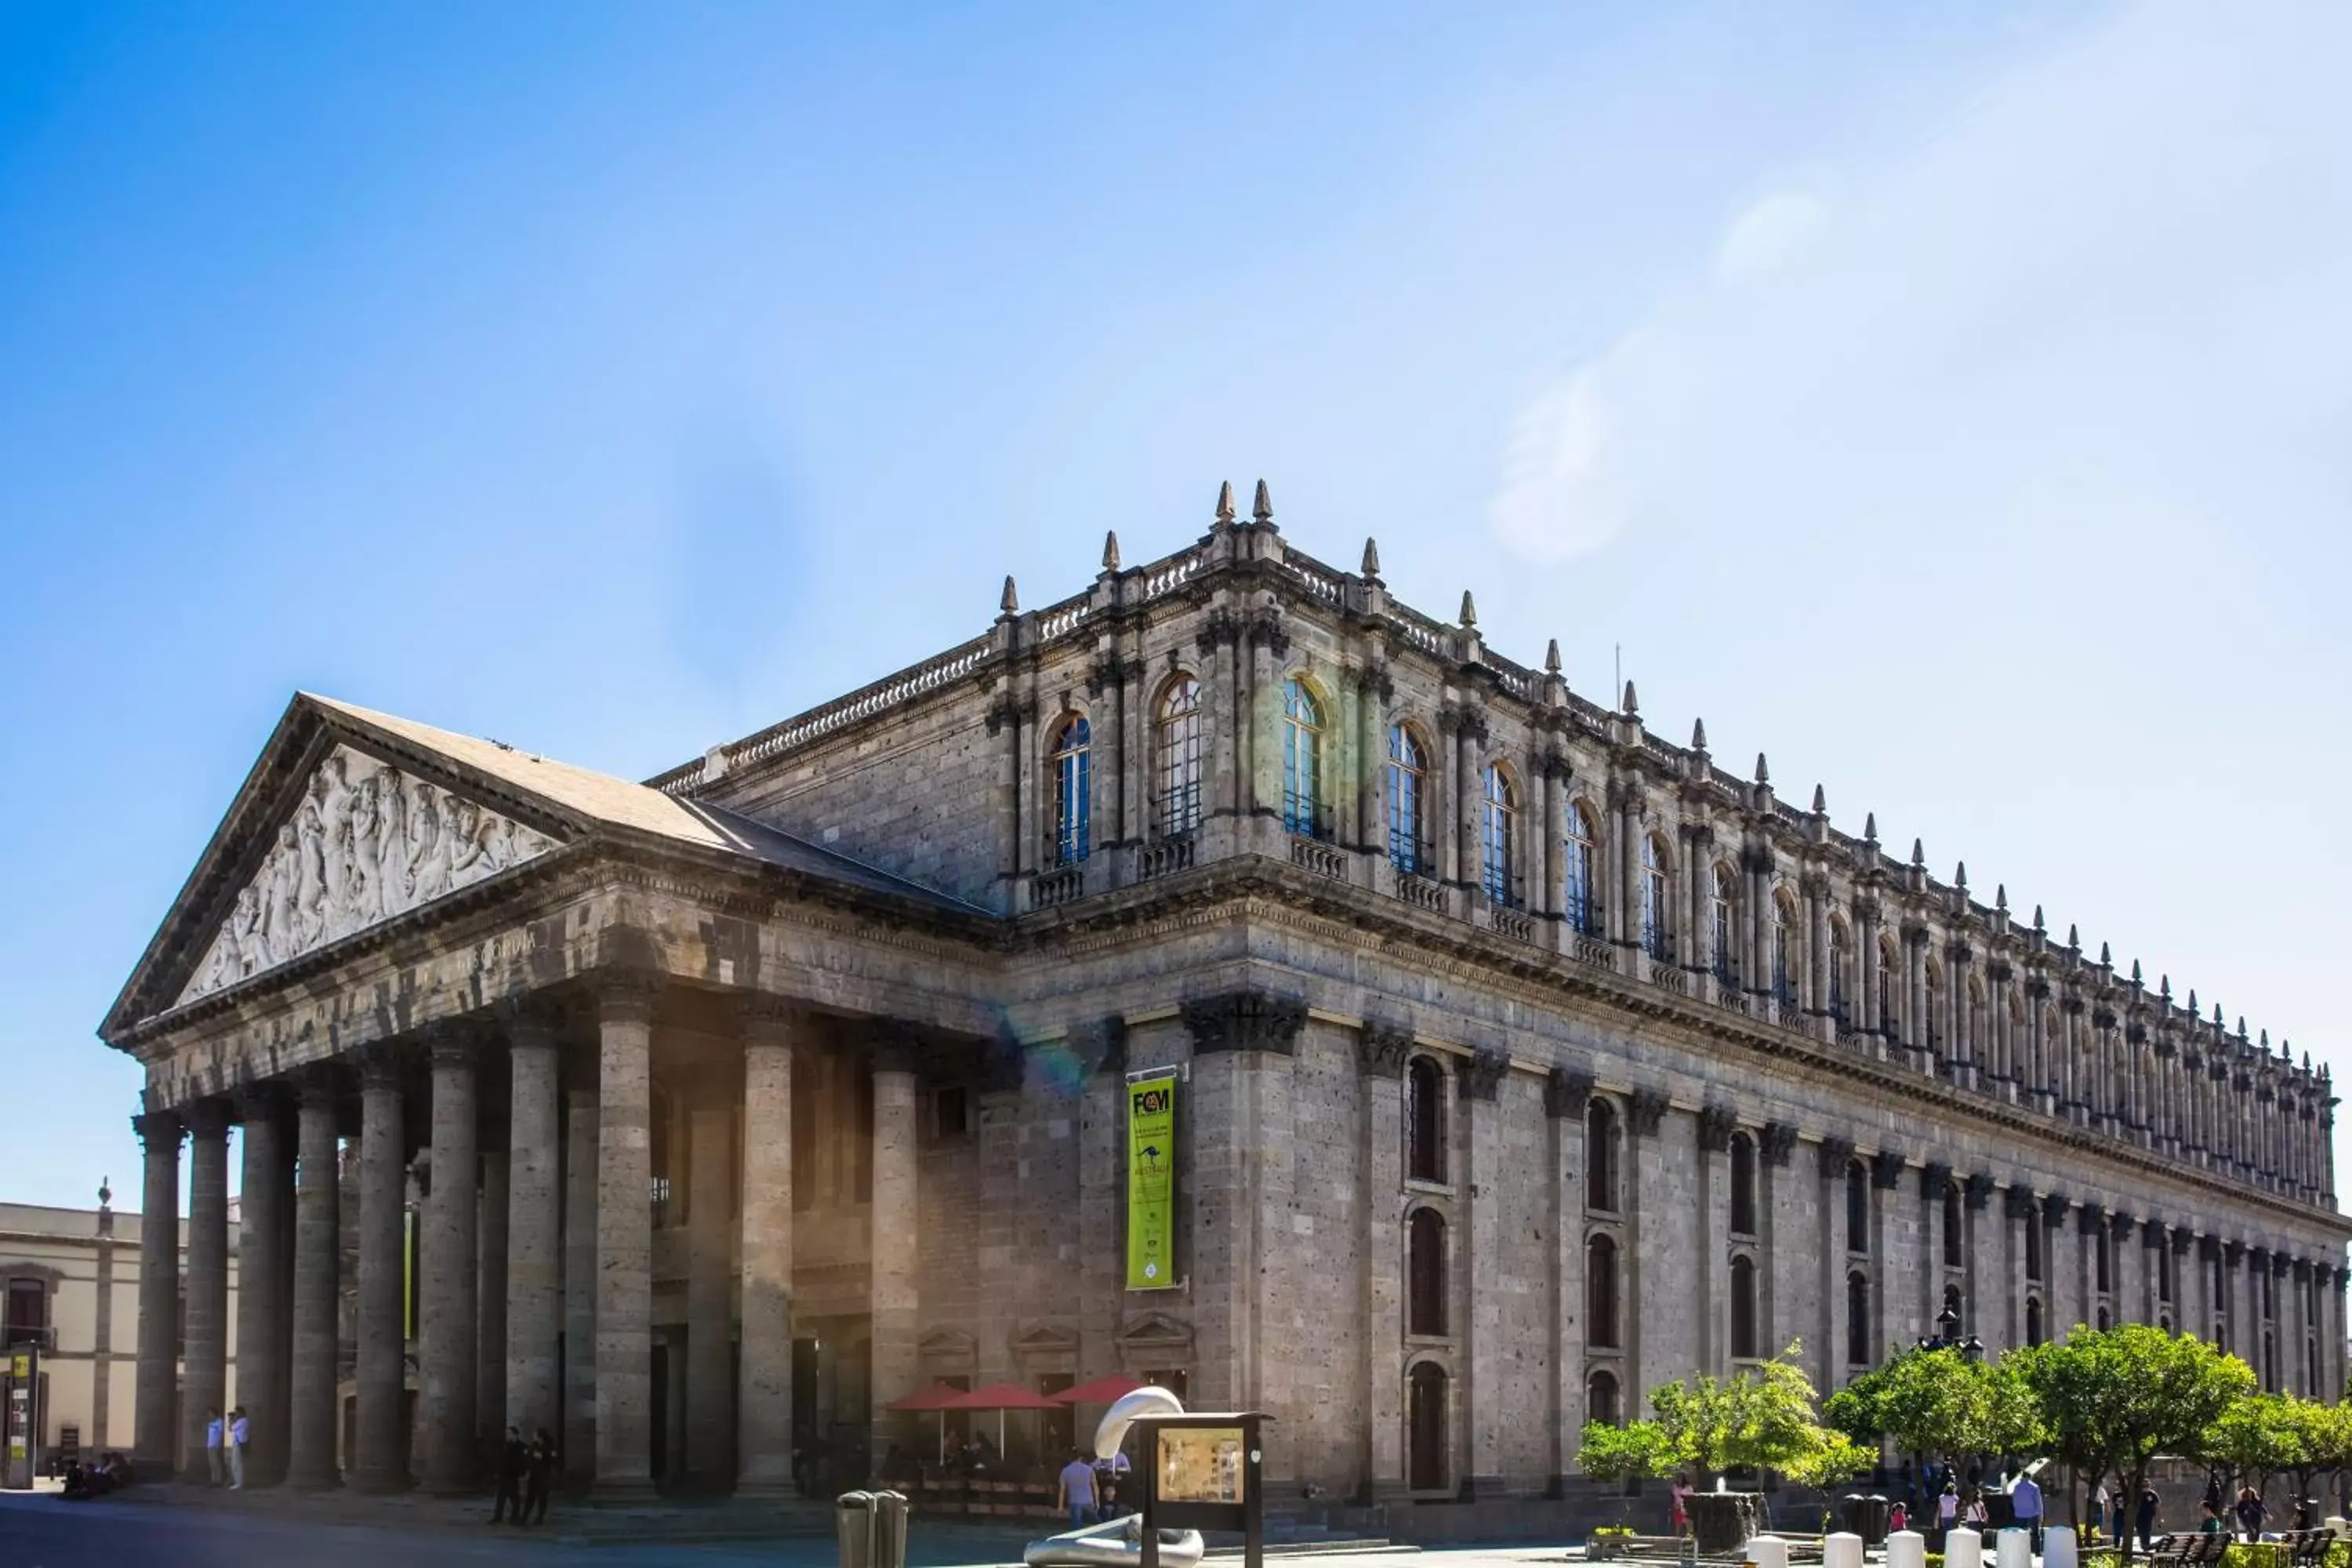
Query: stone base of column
point(766, 1477)
point(1483, 1489)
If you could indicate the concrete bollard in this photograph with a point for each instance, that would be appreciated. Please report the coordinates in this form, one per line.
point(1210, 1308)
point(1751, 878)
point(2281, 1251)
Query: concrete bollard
point(1906, 1549)
point(1963, 1548)
point(2058, 1547)
point(1768, 1551)
point(2013, 1549)
point(1841, 1550)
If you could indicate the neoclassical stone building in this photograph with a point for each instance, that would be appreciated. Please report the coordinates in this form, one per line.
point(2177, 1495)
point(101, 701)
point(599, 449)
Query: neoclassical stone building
point(1526, 1061)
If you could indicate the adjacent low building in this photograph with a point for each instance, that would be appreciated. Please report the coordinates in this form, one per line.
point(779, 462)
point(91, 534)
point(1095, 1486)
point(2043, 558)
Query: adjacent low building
point(1517, 1060)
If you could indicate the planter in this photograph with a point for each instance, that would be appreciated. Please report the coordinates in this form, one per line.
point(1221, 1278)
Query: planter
point(1722, 1522)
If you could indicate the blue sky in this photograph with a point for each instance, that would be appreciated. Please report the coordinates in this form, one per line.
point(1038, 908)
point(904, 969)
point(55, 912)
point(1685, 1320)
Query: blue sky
point(1951, 401)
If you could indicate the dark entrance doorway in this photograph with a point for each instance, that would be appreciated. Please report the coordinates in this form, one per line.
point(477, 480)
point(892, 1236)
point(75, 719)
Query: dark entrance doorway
point(1425, 1428)
point(661, 1410)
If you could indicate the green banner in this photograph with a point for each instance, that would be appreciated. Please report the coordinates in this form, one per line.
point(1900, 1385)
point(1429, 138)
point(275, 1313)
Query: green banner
point(1152, 1180)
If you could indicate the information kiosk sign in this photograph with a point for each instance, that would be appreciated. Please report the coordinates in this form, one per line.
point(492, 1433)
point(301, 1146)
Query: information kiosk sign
point(22, 1389)
point(1201, 1471)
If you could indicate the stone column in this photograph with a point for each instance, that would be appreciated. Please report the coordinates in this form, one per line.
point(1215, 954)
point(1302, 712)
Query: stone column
point(710, 1293)
point(261, 1373)
point(1835, 1157)
point(895, 1232)
point(1481, 1262)
point(624, 1236)
point(156, 1425)
point(1550, 897)
point(764, 1395)
point(1794, 1240)
point(1710, 1221)
point(311, 1424)
point(447, 1259)
point(534, 1229)
point(491, 1418)
point(207, 1378)
point(380, 1462)
point(1893, 1261)
point(581, 1140)
point(1661, 1341)
point(1568, 1095)
point(1382, 1050)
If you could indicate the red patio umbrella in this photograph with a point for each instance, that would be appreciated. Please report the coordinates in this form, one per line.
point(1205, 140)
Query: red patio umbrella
point(1101, 1391)
point(1000, 1397)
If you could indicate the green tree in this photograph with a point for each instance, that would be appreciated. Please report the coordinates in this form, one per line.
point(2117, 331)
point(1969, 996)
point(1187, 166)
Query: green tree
point(1764, 1418)
point(1938, 1405)
point(2252, 1440)
point(1631, 1452)
point(2112, 1399)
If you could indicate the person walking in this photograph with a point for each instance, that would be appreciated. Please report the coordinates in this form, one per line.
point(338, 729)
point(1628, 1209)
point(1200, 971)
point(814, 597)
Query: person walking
point(1077, 1492)
point(539, 1479)
point(513, 1460)
point(240, 1433)
point(2025, 1509)
point(1948, 1510)
point(1972, 1513)
point(2145, 1519)
point(2250, 1512)
point(214, 1463)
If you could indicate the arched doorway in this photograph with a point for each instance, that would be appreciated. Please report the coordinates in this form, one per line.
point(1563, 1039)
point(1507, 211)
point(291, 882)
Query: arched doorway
point(1426, 1424)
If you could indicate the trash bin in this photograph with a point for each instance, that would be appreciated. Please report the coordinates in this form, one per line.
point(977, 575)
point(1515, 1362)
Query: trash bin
point(853, 1524)
point(1864, 1516)
point(889, 1531)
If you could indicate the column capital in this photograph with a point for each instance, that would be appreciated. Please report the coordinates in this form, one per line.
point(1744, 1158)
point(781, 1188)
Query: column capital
point(383, 1063)
point(208, 1117)
point(1480, 1075)
point(2019, 1203)
point(2182, 1239)
point(263, 1100)
point(1935, 1180)
point(1886, 1169)
point(159, 1130)
point(1645, 1108)
point(532, 1022)
point(1979, 1190)
point(1382, 1048)
point(897, 1048)
point(1567, 1092)
point(1243, 1021)
point(1835, 1154)
point(1778, 1142)
point(2231, 1251)
point(2119, 1226)
point(2090, 1218)
point(451, 1042)
point(767, 1019)
point(624, 994)
point(1715, 1125)
point(1100, 1046)
point(318, 1086)
point(2054, 1209)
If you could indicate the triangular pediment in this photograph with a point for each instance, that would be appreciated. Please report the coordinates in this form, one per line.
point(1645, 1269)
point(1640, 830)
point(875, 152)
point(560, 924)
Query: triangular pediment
point(365, 842)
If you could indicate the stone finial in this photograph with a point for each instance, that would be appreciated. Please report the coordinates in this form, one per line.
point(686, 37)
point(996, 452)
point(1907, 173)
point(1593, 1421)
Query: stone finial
point(1372, 557)
point(2217, 1017)
point(2193, 1008)
point(1633, 707)
point(1551, 657)
point(1870, 828)
point(1698, 734)
point(2242, 1030)
point(1821, 802)
point(2000, 896)
point(1960, 878)
point(2163, 987)
point(1469, 610)
point(1110, 550)
point(1262, 509)
point(2074, 936)
point(1918, 854)
point(2038, 922)
point(2106, 958)
point(2267, 1042)
point(1763, 773)
point(1010, 603)
point(1225, 501)
point(106, 1183)
point(2136, 976)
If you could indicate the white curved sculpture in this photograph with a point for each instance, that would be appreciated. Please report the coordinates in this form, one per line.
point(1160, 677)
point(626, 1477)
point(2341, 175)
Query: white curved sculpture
point(1118, 1542)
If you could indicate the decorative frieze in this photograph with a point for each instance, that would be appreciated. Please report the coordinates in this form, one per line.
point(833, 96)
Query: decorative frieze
point(1245, 1021)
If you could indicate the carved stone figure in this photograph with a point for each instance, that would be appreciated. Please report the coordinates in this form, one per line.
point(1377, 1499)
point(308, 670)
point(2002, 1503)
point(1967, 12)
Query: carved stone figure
point(366, 842)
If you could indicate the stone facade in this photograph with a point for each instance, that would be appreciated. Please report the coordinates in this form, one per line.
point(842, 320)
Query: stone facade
point(1528, 1060)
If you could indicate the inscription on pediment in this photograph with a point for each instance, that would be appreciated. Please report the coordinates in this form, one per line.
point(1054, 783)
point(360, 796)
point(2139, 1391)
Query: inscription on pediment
point(368, 842)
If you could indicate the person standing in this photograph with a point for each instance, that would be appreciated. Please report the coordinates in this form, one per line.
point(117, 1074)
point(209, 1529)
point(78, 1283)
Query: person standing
point(213, 1433)
point(1948, 1510)
point(2147, 1516)
point(2025, 1509)
point(539, 1479)
point(240, 1432)
point(1677, 1504)
point(1076, 1493)
point(513, 1460)
point(2250, 1512)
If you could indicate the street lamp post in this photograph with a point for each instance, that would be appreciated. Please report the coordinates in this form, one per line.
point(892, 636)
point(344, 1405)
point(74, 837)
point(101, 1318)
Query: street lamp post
point(1948, 1337)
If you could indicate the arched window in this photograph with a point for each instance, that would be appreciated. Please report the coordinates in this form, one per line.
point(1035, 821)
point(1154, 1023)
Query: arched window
point(1177, 736)
point(1600, 1398)
point(1857, 1318)
point(1932, 1033)
point(1425, 1273)
point(1583, 913)
point(1654, 904)
point(2165, 1267)
point(1784, 970)
point(1600, 1292)
point(1073, 793)
point(1407, 770)
point(1886, 991)
point(1857, 1207)
point(2034, 1331)
point(1427, 1421)
point(2102, 1324)
point(2034, 1246)
point(1979, 1041)
point(27, 1309)
point(1499, 837)
point(1743, 1184)
point(1600, 1156)
point(1953, 1222)
point(1302, 763)
point(1424, 1120)
point(2102, 1262)
point(1840, 956)
point(1721, 941)
point(1743, 1307)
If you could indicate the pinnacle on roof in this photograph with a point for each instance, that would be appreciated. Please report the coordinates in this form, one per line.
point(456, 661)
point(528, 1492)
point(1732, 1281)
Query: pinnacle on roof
point(1960, 878)
point(1469, 611)
point(1110, 550)
point(2164, 988)
point(2267, 1042)
point(2074, 936)
point(1372, 557)
point(2037, 916)
point(2241, 1028)
point(2192, 1001)
point(1010, 603)
point(2136, 979)
point(1262, 509)
point(1633, 708)
point(2000, 896)
point(2107, 960)
point(1821, 801)
point(1698, 734)
point(1225, 501)
point(2307, 1061)
point(1551, 657)
point(1918, 853)
point(1763, 773)
point(2217, 1017)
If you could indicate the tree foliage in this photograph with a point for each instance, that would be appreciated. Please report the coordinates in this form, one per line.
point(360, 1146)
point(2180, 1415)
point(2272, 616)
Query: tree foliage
point(1762, 1419)
point(1938, 1404)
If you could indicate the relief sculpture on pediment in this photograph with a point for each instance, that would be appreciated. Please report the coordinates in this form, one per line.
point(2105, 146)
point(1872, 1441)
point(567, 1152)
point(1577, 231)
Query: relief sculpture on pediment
point(367, 842)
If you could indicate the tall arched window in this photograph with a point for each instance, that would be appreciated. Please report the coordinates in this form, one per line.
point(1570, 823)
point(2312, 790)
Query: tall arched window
point(1583, 914)
point(1427, 1422)
point(1857, 1207)
point(1600, 1156)
point(1722, 942)
point(1073, 793)
point(1177, 737)
point(1425, 1273)
point(2034, 1246)
point(2103, 1264)
point(1840, 956)
point(1499, 837)
point(2165, 1267)
point(1654, 904)
point(1743, 1184)
point(1407, 770)
point(1887, 994)
point(1743, 1307)
point(1600, 1292)
point(2034, 1331)
point(1600, 1398)
point(1952, 1301)
point(1979, 1044)
point(1302, 763)
point(1424, 1120)
point(1953, 1236)
point(1857, 1318)
point(1784, 971)
point(1932, 1031)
